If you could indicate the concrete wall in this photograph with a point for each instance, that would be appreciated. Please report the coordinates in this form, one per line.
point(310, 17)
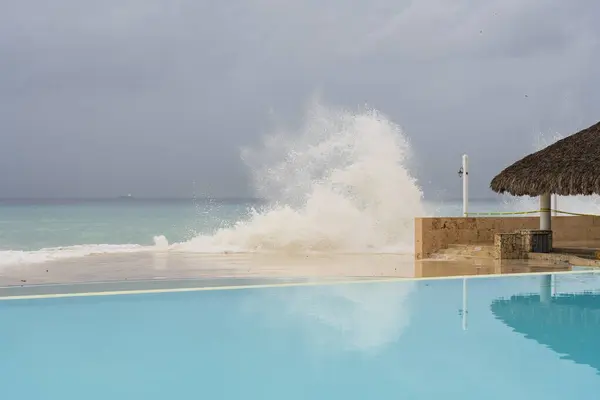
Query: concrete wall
point(434, 234)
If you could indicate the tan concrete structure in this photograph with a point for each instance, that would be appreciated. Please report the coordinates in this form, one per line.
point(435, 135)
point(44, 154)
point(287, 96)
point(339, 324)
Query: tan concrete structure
point(517, 245)
point(437, 233)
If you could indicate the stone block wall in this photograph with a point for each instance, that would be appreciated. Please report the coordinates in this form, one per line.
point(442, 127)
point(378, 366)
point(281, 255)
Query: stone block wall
point(517, 245)
point(509, 246)
point(436, 233)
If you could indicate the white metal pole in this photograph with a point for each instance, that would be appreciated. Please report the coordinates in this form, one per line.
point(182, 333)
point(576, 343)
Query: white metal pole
point(555, 205)
point(465, 177)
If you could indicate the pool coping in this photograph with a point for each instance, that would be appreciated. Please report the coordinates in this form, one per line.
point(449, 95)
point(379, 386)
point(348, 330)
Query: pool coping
point(307, 282)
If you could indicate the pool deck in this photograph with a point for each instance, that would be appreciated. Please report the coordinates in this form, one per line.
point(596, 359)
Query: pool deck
point(157, 266)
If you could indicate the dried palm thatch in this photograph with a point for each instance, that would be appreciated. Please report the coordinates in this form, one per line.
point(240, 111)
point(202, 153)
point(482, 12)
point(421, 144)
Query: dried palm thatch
point(569, 167)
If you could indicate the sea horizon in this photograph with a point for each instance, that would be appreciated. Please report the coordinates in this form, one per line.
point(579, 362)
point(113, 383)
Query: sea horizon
point(198, 198)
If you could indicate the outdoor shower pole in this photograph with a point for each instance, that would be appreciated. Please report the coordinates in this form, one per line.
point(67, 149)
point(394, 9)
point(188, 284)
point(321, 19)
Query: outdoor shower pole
point(465, 178)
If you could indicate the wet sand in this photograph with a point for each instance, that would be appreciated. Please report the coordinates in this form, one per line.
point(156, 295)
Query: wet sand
point(173, 266)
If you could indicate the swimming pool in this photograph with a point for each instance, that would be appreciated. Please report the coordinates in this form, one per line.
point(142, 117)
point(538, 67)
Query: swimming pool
point(509, 337)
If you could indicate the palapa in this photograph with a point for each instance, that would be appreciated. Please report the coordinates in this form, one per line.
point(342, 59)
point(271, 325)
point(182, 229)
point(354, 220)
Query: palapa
point(569, 167)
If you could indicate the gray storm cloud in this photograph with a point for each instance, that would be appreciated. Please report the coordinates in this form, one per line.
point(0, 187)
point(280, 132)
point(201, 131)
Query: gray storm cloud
point(149, 96)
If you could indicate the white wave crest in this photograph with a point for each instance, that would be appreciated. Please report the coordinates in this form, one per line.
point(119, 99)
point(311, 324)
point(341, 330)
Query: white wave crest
point(15, 257)
point(339, 184)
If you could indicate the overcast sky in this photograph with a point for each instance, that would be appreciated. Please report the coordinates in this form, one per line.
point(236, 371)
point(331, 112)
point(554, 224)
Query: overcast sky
point(101, 98)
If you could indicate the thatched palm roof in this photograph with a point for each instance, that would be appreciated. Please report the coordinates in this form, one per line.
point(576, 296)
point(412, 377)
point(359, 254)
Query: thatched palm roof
point(569, 167)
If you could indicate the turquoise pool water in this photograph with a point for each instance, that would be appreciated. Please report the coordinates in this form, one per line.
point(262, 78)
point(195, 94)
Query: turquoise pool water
point(528, 337)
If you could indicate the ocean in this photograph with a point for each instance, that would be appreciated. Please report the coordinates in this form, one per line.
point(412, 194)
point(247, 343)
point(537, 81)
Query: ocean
point(341, 183)
point(34, 231)
point(44, 230)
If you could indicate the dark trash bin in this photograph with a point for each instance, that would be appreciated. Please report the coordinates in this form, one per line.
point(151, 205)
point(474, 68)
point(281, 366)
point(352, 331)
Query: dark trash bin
point(541, 241)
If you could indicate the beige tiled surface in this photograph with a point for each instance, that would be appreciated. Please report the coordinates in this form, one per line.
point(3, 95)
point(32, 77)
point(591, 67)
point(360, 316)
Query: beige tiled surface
point(159, 265)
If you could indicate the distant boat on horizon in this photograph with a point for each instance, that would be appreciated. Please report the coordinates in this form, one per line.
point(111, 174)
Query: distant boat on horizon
point(128, 196)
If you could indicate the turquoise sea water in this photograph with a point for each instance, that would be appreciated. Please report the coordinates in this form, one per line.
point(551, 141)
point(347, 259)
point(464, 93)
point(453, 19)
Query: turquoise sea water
point(502, 338)
point(43, 230)
point(37, 231)
point(33, 225)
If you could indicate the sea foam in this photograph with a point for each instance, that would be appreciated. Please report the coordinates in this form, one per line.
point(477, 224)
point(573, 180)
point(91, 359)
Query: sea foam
point(12, 257)
point(338, 184)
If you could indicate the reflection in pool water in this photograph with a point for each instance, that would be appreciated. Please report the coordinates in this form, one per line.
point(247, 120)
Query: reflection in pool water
point(568, 323)
point(357, 317)
point(362, 341)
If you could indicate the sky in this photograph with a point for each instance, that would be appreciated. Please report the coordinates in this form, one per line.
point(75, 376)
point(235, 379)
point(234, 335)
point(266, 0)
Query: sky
point(156, 97)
